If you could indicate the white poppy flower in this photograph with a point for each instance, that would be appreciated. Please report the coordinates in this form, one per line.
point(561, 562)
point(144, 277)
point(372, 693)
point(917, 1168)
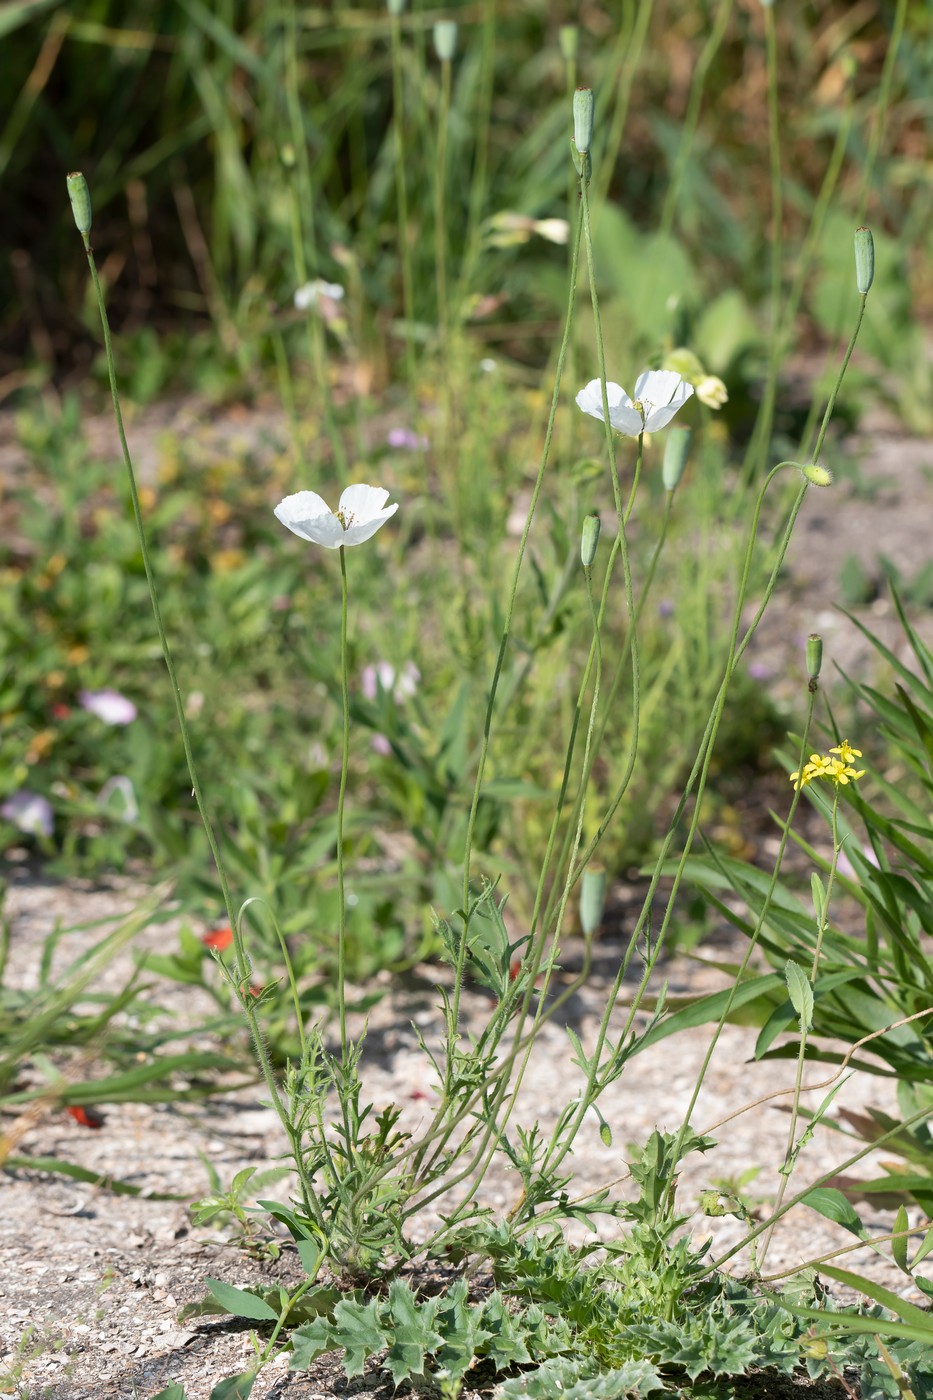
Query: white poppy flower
point(659, 393)
point(358, 516)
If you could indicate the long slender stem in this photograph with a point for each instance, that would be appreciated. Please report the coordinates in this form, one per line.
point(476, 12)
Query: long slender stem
point(790, 1154)
point(341, 799)
point(401, 195)
point(242, 970)
point(509, 611)
point(302, 228)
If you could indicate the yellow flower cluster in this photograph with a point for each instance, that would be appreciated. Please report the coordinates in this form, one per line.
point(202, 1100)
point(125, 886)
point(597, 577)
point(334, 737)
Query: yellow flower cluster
point(839, 770)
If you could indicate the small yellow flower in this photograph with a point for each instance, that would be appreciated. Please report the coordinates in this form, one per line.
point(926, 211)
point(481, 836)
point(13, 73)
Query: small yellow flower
point(839, 770)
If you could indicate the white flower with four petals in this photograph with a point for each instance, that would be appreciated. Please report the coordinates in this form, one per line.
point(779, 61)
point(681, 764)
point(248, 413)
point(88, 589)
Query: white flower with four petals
point(358, 516)
point(659, 393)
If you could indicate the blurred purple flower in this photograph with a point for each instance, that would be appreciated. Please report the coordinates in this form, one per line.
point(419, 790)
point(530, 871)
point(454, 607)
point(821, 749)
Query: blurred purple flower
point(380, 743)
point(760, 671)
point(108, 705)
point(408, 439)
point(29, 812)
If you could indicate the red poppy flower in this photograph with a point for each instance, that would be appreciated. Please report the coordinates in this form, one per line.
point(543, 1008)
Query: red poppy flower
point(85, 1115)
point(218, 938)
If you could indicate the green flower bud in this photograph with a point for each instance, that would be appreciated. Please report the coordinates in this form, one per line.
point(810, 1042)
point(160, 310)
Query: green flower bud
point(592, 898)
point(445, 39)
point(864, 259)
point(583, 103)
point(817, 475)
point(569, 39)
point(814, 659)
point(80, 197)
point(675, 457)
point(395, 7)
point(589, 541)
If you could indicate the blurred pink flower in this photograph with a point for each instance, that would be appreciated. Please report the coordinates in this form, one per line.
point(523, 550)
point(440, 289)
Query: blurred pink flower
point(108, 705)
point(380, 744)
point(408, 439)
point(29, 812)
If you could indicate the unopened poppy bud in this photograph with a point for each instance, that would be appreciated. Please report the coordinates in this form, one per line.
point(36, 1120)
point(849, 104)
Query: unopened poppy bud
point(583, 104)
point(589, 540)
point(569, 39)
point(814, 658)
point(864, 259)
point(817, 475)
point(592, 898)
point(395, 7)
point(445, 39)
point(80, 197)
point(675, 457)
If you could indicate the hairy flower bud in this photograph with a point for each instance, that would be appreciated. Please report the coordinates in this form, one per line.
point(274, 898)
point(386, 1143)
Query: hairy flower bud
point(445, 39)
point(592, 898)
point(589, 539)
point(814, 659)
point(583, 104)
point(817, 475)
point(569, 39)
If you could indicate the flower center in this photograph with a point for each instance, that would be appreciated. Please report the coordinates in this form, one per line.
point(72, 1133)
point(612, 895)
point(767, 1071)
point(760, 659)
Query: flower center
point(346, 518)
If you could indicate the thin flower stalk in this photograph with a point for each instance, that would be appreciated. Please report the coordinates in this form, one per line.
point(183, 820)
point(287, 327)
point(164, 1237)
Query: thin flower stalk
point(242, 969)
point(836, 767)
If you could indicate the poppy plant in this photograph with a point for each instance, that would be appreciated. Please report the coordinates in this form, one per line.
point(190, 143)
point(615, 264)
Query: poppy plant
point(361, 512)
point(659, 393)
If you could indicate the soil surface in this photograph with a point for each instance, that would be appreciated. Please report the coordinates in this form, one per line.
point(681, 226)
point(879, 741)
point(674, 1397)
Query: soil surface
point(92, 1283)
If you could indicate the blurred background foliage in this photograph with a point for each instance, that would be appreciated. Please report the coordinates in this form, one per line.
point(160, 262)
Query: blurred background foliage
point(182, 115)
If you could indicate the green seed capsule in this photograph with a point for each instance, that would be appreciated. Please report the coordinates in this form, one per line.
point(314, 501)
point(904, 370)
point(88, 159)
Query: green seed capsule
point(80, 197)
point(864, 259)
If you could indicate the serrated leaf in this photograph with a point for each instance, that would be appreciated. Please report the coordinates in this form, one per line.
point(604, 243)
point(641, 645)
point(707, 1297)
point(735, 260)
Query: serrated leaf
point(310, 1341)
point(234, 1387)
point(800, 993)
point(240, 1303)
point(505, 1347)
point(462, 1332)
point(413, 1332)
point(359, 1331)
